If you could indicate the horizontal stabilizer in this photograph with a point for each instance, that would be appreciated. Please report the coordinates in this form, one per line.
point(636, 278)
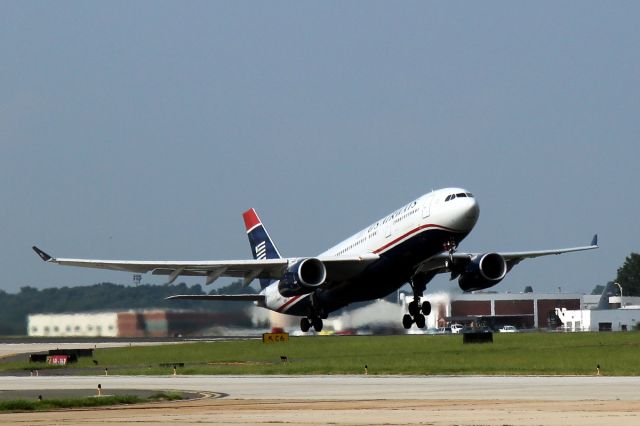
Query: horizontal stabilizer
point(234, 297)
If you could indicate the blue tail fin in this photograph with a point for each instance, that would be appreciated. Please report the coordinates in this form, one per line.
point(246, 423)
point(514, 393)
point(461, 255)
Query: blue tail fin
point(262, 246)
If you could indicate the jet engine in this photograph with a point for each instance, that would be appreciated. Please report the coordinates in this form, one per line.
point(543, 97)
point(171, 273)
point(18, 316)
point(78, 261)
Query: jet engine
point(302, 277)
point(484, 271)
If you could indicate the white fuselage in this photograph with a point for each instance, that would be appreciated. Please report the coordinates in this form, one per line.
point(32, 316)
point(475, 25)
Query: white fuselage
point(435, 210)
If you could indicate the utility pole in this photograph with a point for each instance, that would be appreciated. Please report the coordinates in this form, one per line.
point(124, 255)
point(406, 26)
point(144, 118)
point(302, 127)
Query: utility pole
point(619, 286)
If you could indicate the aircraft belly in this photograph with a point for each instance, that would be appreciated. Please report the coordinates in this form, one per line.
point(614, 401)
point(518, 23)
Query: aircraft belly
point(389, 273)
point(386, 275)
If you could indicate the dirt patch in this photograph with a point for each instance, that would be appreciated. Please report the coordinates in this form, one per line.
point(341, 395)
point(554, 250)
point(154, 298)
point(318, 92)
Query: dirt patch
point(378, 412)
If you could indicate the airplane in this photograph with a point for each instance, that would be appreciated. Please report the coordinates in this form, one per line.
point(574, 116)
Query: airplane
point(410, 245)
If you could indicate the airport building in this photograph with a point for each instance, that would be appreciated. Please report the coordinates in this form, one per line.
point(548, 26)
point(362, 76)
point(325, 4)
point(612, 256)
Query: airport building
point(492, 309)
point(523, 310)
point(529, 310)
point(145, 323)
point(622, 319)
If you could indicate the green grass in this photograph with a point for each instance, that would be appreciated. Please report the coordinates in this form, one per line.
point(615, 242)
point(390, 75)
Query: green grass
point(510, 354)
point(52, 404)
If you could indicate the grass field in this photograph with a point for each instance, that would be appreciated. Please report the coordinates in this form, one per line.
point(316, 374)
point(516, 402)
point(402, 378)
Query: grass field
point(509, 354)
point(49, 404)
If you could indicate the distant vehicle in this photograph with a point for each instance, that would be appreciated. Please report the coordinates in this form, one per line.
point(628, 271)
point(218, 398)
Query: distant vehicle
point(412, 244)
point(508, 329)
point(476, 330)
point(456, 328)
point(442, 330)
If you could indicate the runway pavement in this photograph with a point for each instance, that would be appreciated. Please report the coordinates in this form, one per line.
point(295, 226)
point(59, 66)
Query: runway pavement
point(351, 400)
point(358, 387)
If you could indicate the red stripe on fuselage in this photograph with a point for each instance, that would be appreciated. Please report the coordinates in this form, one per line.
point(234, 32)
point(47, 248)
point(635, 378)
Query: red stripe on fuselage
point(413, 231)
point(289, 302)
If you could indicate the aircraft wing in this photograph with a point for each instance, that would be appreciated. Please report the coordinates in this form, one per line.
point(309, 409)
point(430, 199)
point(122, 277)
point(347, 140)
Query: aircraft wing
point(440, 262)
point(338, 268)
point(235, 297)
point(246, 269)
point(513, 258)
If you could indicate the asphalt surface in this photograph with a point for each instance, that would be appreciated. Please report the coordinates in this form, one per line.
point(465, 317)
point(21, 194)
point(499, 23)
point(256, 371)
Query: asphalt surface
point(355, 388)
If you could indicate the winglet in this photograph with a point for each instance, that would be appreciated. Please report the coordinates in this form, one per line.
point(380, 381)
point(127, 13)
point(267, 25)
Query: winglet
point(44, 256)
point(594, 241)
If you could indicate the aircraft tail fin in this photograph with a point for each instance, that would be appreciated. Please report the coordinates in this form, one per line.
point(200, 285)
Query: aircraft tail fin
point(262, 246)
point(610, 289)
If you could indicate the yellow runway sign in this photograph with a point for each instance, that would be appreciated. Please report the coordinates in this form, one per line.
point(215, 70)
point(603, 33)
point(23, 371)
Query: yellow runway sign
point(275, 337)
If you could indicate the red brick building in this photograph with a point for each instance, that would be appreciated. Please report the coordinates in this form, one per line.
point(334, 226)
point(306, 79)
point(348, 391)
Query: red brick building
point(524, 310)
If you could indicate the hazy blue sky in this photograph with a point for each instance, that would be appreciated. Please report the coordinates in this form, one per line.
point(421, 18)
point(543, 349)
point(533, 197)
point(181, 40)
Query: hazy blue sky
point(143, 130)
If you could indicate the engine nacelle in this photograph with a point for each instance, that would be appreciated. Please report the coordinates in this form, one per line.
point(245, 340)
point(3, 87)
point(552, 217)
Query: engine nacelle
point(302, 277)
point(484, 271)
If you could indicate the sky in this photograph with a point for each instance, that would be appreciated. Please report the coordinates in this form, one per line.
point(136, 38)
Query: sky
point(142, 130)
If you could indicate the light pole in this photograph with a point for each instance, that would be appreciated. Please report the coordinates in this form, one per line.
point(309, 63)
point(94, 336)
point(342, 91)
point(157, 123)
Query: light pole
point(621, 304)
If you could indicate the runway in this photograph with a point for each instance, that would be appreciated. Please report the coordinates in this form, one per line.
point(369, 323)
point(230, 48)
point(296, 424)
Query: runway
point(315, 400)
point(358, 388)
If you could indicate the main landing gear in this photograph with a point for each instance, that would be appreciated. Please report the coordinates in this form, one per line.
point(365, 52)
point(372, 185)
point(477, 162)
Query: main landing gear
point(417, 311)
point(315, 315)
point(306, 323)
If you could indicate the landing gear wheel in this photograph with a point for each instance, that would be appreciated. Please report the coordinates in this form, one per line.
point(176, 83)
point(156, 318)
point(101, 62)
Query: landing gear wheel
point(420, 321)
point(317, 324)
point(414, 308)
point(417, 310)
point(426, 308)
point(305, 325)
point(407, 321)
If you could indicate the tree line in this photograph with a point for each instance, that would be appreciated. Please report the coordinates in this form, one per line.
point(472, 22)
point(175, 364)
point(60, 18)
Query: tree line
point(14, 308)
point(629, 275)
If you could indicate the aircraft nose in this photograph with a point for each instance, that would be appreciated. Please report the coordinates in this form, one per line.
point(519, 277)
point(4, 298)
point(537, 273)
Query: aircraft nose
point(473, 210)
point(468, 212)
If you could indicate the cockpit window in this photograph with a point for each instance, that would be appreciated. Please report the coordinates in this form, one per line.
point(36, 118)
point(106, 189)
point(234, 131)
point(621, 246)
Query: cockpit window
point(460, 195)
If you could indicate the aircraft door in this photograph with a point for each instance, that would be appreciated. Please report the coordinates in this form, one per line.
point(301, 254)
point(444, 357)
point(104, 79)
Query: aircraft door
point(387, 228)
point(426, 207)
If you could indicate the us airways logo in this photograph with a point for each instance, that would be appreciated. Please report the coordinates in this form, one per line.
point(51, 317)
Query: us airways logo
point(261, 250)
